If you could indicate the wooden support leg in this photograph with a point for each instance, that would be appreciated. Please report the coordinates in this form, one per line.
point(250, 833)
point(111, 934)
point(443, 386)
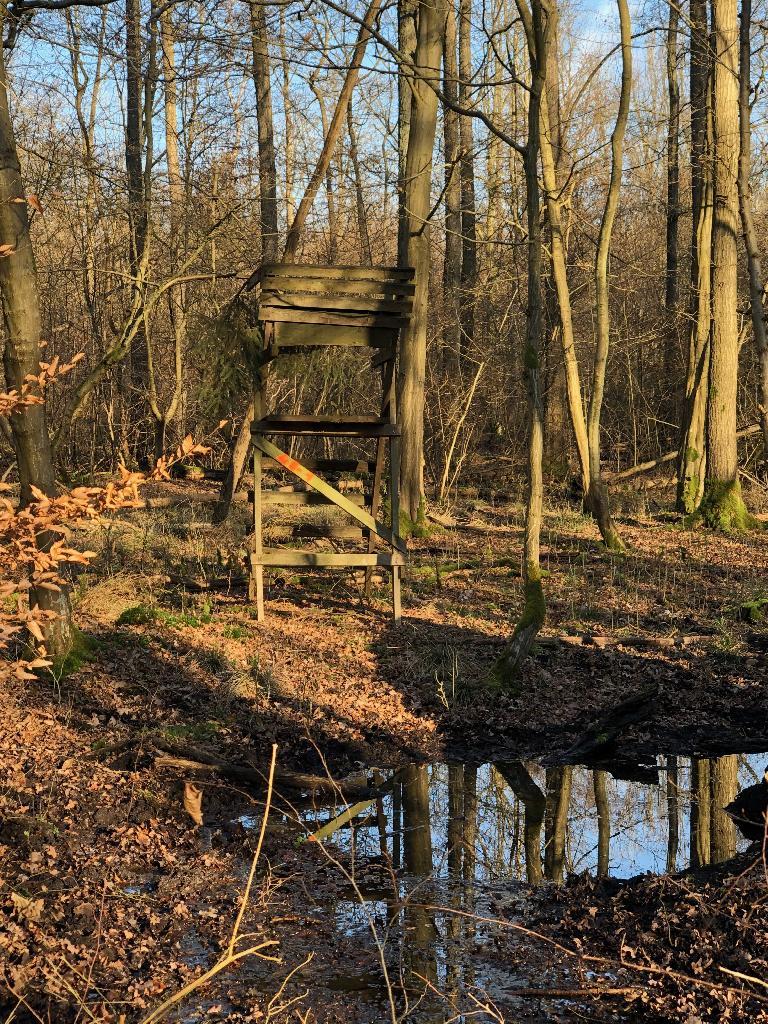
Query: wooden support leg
point(378, 473)
point(396, 608)
point(256, 586)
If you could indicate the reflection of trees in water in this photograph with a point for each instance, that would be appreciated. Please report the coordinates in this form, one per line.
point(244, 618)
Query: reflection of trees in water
point(600, 788)
point(516, 819)
point(714, 783)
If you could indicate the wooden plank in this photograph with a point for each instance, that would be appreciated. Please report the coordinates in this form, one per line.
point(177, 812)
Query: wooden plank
point(338, 273)
point(302, 498)
point(275, 314)
point(325, 426)
point(311, 335)
point(269, 300)
point(345, 503)
point(328, 559)
point(327, 465)
point(310, 286)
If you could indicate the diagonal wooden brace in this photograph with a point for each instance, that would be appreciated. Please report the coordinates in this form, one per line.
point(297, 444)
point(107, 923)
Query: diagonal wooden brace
point(363, 517)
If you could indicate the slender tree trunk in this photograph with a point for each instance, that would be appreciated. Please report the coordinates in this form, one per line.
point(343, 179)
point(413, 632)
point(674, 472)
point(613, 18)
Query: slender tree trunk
point(138, 214)
point(598, 493)
point(722, 506)
point(558, 802)
point(467, 173)
point(177, 296)
point(700, 813)
point(692, 448)
point(673, 165)
point(289, 147)
point(21, 357)
point(505, 673)
point(262, 83)
point(418, 181)
point(519, 779)
point(455, 820)
point(330, 188)
point(599, 781)
point(360, 211)
point(747, 221)
point(563, 293)
point(407, 16)
point(453, 244)
point(673, 813)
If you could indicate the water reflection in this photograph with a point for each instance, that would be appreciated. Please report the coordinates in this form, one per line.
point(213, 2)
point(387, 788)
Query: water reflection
point(517, 820)
point(445, 851)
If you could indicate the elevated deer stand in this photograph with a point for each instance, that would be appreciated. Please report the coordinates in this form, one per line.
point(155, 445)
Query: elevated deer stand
point(363, 308)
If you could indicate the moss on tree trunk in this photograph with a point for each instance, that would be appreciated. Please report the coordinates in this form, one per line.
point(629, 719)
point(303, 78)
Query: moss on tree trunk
point(722, 507)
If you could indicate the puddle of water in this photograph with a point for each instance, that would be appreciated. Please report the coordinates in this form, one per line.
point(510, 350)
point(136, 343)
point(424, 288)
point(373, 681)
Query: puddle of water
point(449, 848)
point(480, 823)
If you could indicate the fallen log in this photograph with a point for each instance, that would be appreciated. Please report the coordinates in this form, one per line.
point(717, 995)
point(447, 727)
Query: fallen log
point(647, 467)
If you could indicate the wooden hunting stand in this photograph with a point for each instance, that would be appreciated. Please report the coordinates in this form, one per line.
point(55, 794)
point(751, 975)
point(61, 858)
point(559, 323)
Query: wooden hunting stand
point(303, 307)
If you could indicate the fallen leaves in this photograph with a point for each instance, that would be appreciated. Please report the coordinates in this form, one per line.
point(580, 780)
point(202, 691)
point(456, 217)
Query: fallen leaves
point(193, 802)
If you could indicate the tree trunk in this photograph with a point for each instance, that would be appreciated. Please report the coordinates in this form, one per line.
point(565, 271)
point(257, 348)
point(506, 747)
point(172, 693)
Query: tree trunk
point(467, 174)
point(558, 802)
point(505, 673)
point(692, 453)
point(563, 293)
point(138, 213)
point(21, 357)
point(453, 244)
point(673, 813)
point(418, 181)
point(724, 783)
point(416, 820)
point(598, 493)
point(518, 778)
point(747, 221)
point(673, 165)
point(262, 83)
point(700, 813)
point(177, 296)
point(407, 16)
point(722, 506)
point(362, 217)
point(599, 781)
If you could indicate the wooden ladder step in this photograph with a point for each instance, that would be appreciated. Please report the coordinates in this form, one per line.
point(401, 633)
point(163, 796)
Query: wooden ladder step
point(326, 465)
point(306, 498)
point(326, 426)
point(286, 557)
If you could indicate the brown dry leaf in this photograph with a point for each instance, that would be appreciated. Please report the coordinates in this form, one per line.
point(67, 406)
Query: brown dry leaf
point(193, 802)
point(34, 203)
point(26, 907)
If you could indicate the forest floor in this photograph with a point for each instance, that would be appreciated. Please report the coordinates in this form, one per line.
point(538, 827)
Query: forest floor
point(104, 875)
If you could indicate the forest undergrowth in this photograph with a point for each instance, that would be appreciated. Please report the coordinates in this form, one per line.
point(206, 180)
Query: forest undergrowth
point(131, 774)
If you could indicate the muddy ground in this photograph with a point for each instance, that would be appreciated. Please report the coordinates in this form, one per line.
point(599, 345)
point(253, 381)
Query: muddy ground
point(113, 897)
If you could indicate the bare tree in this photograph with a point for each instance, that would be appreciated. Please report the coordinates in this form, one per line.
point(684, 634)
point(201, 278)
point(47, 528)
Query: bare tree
point(722, 506)
point(418, 181)
point(751, 244)
point(692, 455)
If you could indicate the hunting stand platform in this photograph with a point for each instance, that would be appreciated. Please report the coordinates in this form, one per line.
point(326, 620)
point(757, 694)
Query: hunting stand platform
point(308, 307)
